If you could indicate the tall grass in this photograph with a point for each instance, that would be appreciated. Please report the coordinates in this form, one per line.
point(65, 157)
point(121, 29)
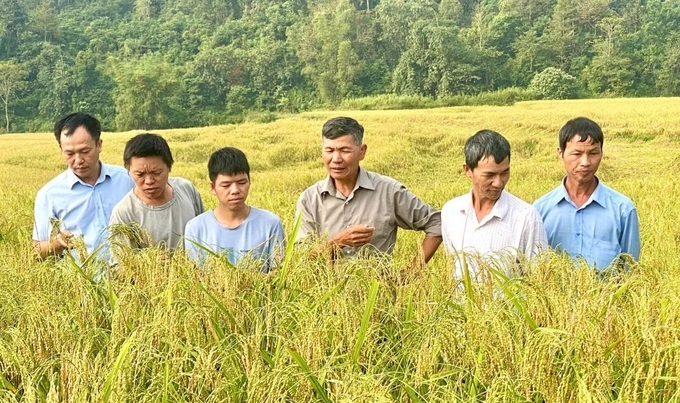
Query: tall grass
point(159, 329)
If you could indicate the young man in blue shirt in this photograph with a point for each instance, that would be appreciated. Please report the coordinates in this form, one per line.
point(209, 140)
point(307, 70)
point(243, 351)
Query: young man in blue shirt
point(582, 216)
point(234, 228)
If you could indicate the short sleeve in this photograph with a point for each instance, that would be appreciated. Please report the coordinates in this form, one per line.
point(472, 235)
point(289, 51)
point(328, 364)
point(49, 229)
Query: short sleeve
point(198, 202)
point(191, 238)
point(412, 213)
point(42, 213)
point(304, 213)
point(275, 247)
point(536, 239)
point(630, 236)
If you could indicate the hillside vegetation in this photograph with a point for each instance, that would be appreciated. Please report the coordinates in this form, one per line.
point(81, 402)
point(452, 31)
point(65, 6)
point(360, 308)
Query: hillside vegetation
point(164, 331)
point(141, 64)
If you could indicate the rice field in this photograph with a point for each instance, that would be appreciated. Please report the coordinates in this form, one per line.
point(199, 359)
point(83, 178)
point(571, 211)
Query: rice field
point(163, 331)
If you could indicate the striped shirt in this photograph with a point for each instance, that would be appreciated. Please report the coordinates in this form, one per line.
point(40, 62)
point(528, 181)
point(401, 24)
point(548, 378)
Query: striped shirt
point(512, 227)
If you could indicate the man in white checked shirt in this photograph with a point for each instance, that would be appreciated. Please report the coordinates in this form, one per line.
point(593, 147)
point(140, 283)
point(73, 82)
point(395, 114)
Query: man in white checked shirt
point(489, 224)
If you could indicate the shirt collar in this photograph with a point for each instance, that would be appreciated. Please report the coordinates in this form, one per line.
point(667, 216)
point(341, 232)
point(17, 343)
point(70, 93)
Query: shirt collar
point(363, 181)
point(72, 179)
point(499, 209)
point(598, 195)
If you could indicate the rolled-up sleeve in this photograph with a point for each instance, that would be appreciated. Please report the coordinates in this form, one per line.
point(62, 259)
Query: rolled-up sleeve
point(413, 213)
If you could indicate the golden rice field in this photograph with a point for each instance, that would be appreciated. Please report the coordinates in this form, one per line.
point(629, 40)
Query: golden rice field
point(165, 332)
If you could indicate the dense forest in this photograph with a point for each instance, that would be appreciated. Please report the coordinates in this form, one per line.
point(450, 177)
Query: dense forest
point(175, 63)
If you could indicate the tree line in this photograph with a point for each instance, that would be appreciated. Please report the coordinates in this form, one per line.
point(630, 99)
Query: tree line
point(147, 64)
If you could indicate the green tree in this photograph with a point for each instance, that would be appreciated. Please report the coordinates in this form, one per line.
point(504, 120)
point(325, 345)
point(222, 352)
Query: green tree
point(668, 77)
point(12, 77)
point(572, 30)
point(531, 54)
point(326, 46)
point(553, 83)
point(146, 93)
point(610, 71)
point(528, 10)
point(92, 88)
point(436, 63)
point(45, 21)
point(52, 80)
point(396, 19)
point(486, 38)
point(12, 22)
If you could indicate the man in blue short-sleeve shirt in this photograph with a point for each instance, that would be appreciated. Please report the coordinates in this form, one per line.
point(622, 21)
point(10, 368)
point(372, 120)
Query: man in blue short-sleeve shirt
point(583, 216)
point(78, 202)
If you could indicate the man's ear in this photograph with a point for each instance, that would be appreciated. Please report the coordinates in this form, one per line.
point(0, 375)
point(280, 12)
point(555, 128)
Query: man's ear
point(362, 152)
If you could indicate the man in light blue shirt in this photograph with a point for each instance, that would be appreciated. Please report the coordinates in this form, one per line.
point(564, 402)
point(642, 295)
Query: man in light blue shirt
point(582, 216)
point(78, 202)
point(234, 229)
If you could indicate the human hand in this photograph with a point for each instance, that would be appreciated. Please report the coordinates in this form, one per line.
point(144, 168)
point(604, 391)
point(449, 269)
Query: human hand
point(355, 235)
point(62, 242)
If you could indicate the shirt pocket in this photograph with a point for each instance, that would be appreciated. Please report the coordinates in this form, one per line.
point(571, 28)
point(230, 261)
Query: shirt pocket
point(604, 252)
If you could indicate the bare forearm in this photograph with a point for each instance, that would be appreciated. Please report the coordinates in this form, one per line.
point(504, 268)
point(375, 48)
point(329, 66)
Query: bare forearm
point(43, 249)
point(52, 247)
point(429, 246)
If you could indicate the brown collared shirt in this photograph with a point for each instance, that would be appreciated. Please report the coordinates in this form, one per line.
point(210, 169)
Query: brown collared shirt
point(377, 200)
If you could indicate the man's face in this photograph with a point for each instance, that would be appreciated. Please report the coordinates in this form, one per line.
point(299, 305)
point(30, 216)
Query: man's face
point(341, 157)
point(231, 190)
point(81, 153)
point(581, 159)
point(150, 175)
point(489, 178)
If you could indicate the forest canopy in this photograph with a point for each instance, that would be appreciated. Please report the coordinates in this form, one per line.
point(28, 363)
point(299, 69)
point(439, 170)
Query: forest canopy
point(143, 64)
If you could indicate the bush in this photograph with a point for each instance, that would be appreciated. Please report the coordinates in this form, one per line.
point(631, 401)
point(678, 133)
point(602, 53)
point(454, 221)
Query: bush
point(553, 83)
point(502, 97)
point(389, 102)
point(506, 96)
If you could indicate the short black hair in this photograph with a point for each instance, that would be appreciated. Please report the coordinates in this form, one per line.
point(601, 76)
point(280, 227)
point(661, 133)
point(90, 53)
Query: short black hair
point(342, 126)
point(147, 145)
point(228, 161)
point(69, 123)
point(484, 143)
point(584, 128)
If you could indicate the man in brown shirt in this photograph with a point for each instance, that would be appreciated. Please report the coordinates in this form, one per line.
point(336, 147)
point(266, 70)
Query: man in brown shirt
point(354, 210)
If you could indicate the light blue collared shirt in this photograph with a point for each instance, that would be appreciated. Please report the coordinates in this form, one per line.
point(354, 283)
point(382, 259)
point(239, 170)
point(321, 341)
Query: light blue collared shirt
point(83, 209)
point(601, 229)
